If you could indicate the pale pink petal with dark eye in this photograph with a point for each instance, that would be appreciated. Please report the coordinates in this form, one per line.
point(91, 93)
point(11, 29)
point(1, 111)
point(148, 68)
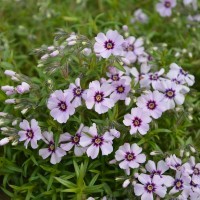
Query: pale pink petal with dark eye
point(133, 164)
point(89, 103)
point(136, 149)
point(112, 34)
point(95, 85)
point(139, 189)
point(76, 102)
point(106, 148)
point(60, 152)
point(126, 147)
point(119, 155)
point(108, 102)
point(173, 190)
point(118, 39)
point(167, 180)
point(67, 146)
point(161, 191)
point(139, 51)
point(65, 137)
point(70, 109)
point(55, 159)
point(79, 151)
point(143, 129)
point(106, 53)
point(24, 125)
point(124, 164)
point(85, 141)
point(48, 137)
point(139, 42)
point(101, 38)
point(144, 178)
point(146, 196)
point(22, 135)
point(26, 143)
point(127, 120)
point(59, 95)
point(162, 166)
point(150, 166)
point(34, 144)
point(141, 158)
point(179, 99)
point(100, 108)
point(93, 151)
point(156, 113)
point(98, 48)
point(44, 153)
point(52, 103)
point(133, 130)
point(93, 130)
point(62, 117)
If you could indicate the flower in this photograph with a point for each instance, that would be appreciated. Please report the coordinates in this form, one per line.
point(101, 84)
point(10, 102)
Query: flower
point(121, 90)
point(182, 76)
point(165, 7)
point(73, 141)
point(94, 142)
point(114, 133)
point(24, 87)
point(152, 103)
point(174, 163)
point(140, 16)
point(76, 91)
point(149, 186)
point(130, 155)
point(132, 48)
point(138, 120)
point(159, 170)
point(60, 106)
point(180, 183)
point(97, 96)
point(8, 89)
point(152, 79)
point(56, 152)
point(172, 93)
point(108, 44)
point(30, 133)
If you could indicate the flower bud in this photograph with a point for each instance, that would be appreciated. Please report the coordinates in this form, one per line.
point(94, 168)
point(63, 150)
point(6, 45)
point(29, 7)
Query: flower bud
point(24, 87)
point(51, 48)
point(127, 101)
point(192, 149)
point(4, 141)
point(10, 101)
point(112, 161)
point(44, 57)
point(14, 123)
point(126, 183)
point(71, 43)
point(9, 73)
point(87, 51)
point(181, 153)
point(154, 153)
point(3, 114)
point(187, 154)
point(125, 28)
point(54, 53)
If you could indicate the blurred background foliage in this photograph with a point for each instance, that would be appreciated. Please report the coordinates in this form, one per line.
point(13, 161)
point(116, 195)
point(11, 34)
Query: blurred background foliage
point(28, 24)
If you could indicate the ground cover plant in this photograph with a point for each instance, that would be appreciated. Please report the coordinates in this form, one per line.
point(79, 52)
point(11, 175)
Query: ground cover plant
point(100, 99)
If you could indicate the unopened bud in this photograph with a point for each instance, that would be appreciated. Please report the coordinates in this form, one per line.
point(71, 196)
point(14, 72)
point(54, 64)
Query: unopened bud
point(9, 73)
point(125, 28)
point(14, 123)
point(184, 50)
point(4, 129)
point(4, 141)
point(71, 43)
point(127, 101)
point(54, 53)
point(136, 175)
point(190, 54)
point(134, 182)
point(192, 149)
point(181, 153)
point(154, 153)
point(44, 57)
point(10, 101)
point(187, 154)
point(3, 114)
point(112, 161)
point(24, 111)
point(190, 117)
point(51, 48)
point(177, 54)
point(126, 183)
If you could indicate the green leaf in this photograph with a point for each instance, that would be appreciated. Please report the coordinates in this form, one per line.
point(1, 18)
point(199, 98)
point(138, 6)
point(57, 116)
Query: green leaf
point(66, 183)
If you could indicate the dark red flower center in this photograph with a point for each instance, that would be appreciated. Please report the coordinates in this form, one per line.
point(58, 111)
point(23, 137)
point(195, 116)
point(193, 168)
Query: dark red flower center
point(77, 91)
point(29, 133)
point(115, 77)
point(109, 44)
point(170, 93)
point(130, 156)
point(75, 139)
point(167, 4)
point(51, 146)
point(137, 121)
point(150, 187)
point(97, 140)
point(99, 97)
point(62, 106)
point(120, 89)
point(151, 105)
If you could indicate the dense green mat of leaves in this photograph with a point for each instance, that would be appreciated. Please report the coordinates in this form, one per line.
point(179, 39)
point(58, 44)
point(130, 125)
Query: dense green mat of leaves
point(26, 25)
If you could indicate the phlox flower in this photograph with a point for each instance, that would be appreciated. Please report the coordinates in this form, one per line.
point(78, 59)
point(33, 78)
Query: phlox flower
point(172, 93)
point(129, 156)
point(149, 187)
point(140, 16)
point(73, 141)
point(23, 88)
point(121, 90)
point(181, 183)
point(132, 48)
point(95, 141)
point(97, 96)
point(164, 7)
point(108, 44)
point(152, 79)
point(30, 132)
point(152, 103)
point(76, 91)
point(159, 170)
point(56, 153)
point(60, 106)
point(174, 163)
point(9, 90)
point(138, 120)
point(177, 72)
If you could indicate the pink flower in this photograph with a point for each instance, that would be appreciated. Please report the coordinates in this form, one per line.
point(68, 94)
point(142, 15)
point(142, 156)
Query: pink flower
point(73, 141)
point(132, 48)
point(8, 89)
point(56, 153)
point(121, 90)
point(138, 120)
point(130, 155)
point(97, 96)
point(94, 142)
point(172, 93)
point(30, 133)
point(108, 44)
point(159, 170)
point(149, 186)
point(165, 7)
point(60, 106)
point(174, 163)
point(76, 91)
point(24, 87)
point(152, 103)
point(140, 16)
